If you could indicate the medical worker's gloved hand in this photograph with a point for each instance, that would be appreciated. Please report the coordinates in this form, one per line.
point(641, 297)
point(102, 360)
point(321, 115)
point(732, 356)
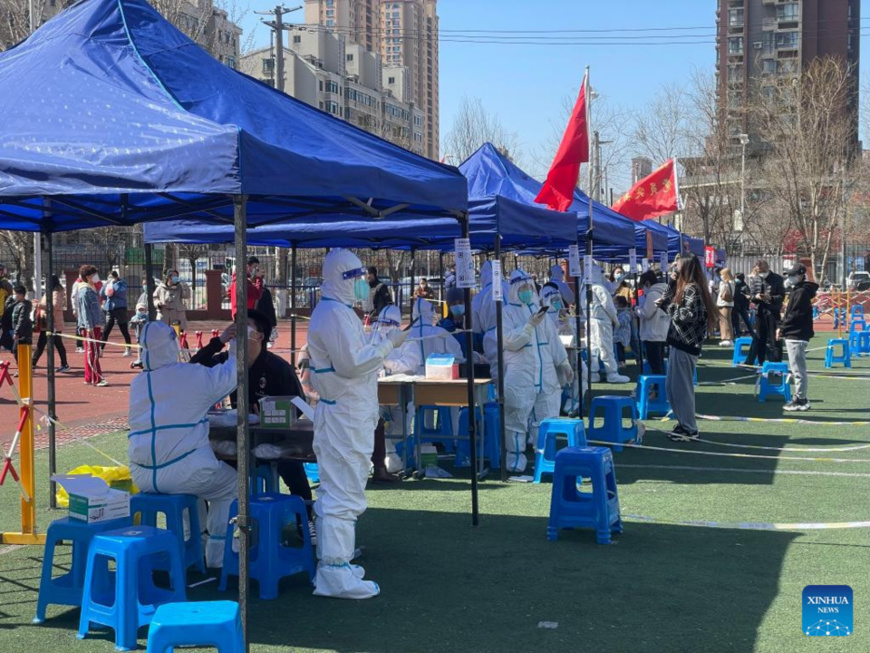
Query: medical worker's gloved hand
point(397, 337)
point(537, 318)
point(565, 373)
point(228, 334)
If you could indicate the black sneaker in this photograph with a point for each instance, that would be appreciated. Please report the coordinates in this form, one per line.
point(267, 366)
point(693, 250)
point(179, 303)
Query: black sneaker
point(797, 405)
point(62, 368)
point(681, 434)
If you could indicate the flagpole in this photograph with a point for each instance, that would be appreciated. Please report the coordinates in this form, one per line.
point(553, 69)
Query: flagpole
point(589, 250)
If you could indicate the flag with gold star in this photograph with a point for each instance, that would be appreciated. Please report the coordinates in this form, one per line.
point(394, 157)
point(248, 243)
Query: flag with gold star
point(652, 196)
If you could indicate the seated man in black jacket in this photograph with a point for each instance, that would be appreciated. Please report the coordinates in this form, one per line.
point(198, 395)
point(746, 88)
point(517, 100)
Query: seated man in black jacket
point(797, 329)
point(269, 375)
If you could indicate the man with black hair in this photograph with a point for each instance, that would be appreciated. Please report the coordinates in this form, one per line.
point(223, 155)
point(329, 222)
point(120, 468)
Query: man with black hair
point(269, 375)
point(797, 330)
point(22, 325)
point(766, 291)
point(379, 296)
point(255, 286)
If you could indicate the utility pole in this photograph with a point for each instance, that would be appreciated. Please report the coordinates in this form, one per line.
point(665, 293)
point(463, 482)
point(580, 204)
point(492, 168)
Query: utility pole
point(278, 28)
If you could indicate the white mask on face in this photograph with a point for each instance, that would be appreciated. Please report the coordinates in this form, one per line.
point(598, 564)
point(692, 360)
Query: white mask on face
point(95, 278)
point(763, 275)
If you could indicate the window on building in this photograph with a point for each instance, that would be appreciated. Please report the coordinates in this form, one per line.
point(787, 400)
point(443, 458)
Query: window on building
point(735, 45)
point(350, 57)
point(786, 40)
point(735, 17)
point(789, 11)
point(268, 66)
point(768, 66)
point(297, 39)
point(391, 80)
point(330, 22)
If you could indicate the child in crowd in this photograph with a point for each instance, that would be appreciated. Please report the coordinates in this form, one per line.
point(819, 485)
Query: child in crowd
point(622, 333)
point(138, 321)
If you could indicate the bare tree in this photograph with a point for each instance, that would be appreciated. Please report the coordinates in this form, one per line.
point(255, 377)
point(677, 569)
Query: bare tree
point(811, 139)
point(473, 126)
point(17, 250)
point(665, 129)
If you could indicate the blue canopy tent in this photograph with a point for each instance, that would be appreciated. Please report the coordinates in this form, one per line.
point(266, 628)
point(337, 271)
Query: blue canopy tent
point(113, 117)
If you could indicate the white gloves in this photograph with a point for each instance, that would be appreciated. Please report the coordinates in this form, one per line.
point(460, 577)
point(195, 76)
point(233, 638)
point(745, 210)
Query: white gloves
point(397, 337)
point(565, 374)
point(537, 318)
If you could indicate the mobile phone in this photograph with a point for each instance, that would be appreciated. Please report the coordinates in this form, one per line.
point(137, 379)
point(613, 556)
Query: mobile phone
point(413, 322)
point(543, 309)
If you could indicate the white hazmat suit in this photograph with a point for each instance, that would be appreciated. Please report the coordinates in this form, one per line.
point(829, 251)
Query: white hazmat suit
point(603, 321)
point(404, 360)
point(557, 276)
point(430, 339)
point(532, 351)
point(168, 440)
point(483, 318)
point(566, 326)
point(344, 372)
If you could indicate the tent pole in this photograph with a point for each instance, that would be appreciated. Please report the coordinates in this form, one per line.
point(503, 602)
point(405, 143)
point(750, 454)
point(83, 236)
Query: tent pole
point(593, 364)
point(499, 332)
point(243, 445)
point(441, 274)
point(578, 322)
point(411, 294)
point(149, 276)
point(472, 425)
point(293, 304)
point(50, 326)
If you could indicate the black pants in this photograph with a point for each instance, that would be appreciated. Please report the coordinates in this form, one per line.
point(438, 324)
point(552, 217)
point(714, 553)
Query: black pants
point(655, 354)
point(736, 316)
point(118, 315)
point(58, 346)
point(764, 344)
point(620, 352)
point(379, 453)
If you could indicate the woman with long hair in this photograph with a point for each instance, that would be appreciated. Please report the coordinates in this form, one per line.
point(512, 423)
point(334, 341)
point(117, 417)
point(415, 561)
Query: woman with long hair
point(693, 315)
point(725, 304)
point(57, 299)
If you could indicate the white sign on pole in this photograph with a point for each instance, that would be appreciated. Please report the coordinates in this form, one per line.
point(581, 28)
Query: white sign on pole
point(464, 263)
point(574, 268)
point(632, 260)
point(644, 264)
point(587, 270)
point(497, 287)
point(664, 261)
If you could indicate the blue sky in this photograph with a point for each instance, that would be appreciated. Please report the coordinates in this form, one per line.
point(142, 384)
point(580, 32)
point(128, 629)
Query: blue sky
point(525, 84)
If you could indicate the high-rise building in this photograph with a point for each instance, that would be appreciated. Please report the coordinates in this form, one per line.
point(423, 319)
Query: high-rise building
point(761, 40)
point(641, 168)
point(405, 33)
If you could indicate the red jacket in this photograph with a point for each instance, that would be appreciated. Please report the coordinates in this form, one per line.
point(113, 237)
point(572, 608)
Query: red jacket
point(255, 291)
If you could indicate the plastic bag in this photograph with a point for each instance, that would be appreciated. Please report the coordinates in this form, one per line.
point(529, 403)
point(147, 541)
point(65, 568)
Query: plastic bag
point(118, 478)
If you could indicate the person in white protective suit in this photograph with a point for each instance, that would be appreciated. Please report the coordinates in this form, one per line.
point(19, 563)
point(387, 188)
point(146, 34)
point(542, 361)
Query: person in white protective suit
point(403, 360)
point(557, 276)
point(566, 326)
point(345, 374)
point(483, 318)
point(168, 447)
point(431, 339)
point(604, 319)
point(532, 352)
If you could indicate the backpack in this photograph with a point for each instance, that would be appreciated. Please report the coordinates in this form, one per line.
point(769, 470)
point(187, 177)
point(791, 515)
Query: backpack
point(728, 294)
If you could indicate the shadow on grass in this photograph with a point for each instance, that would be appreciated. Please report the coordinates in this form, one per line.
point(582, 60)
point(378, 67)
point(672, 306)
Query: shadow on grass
point(449, 587)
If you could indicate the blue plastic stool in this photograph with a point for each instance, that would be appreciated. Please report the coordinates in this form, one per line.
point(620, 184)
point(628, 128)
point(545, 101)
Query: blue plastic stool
point(207, 624)
point(858, 311)
point(548, 431)
point(441, 428)
point(312, 471)
point(264, 480)
point(270, 560)
point(67, 589)
point(845, 357)
point(125, 599)
point(780, 387)
point(491, 436)
point(647, 406)
point(148, 505)
point(816, 313)
point(839, 317)
point(863, 344)
point(855, 332)
point(572, 508)
point(741, 351)
point(612, 428)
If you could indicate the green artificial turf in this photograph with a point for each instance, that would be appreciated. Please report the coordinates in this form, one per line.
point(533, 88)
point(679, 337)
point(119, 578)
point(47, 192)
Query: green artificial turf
point(661, 586)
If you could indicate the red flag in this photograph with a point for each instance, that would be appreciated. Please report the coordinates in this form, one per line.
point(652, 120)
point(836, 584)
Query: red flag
point(651, 197)
point(558, 190)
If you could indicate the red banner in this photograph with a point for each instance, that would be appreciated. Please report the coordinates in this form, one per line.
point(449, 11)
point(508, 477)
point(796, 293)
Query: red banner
point(710, 256)
point(651, 197)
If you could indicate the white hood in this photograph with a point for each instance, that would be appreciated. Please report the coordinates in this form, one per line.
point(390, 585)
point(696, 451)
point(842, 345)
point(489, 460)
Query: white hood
point(516, 280)
point(159, 344)
point(486, 274)
point(336, 265)
point(557, 273)
point(425, 310)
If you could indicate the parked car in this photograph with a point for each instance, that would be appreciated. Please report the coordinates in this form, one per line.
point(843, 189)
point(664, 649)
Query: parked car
point(856, 280)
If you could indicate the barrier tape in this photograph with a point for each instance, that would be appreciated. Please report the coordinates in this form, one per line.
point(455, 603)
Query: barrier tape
point(777, 420)
point(101, 342)
point(795, 449)
point(751, 526)
point(732, 455)
point(727, 381)
point(738, 470)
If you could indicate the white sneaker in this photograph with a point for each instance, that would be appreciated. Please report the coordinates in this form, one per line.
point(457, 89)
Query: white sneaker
point(127, 353)
point(617, 378)
point(726, 343)
point(312, 532)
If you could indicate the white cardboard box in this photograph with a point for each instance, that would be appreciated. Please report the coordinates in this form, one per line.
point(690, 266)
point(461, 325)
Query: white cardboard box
point(91, 499)
point(440, 366)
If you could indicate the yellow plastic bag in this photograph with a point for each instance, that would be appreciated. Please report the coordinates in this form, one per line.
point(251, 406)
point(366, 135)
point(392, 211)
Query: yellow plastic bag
point(118, 478)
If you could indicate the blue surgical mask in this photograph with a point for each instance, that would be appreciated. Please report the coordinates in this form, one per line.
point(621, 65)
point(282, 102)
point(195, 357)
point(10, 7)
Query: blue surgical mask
point(556, 305)
point(174, 278)
point(525, 296)
point(619, 277)
point(360, 290)
point(457, 310)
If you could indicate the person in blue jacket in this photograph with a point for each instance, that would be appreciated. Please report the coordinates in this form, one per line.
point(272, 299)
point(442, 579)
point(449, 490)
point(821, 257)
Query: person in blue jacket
point(114, 296)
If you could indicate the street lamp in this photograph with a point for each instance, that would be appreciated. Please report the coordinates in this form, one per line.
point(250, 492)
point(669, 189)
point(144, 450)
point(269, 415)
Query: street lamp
point(744, 141)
